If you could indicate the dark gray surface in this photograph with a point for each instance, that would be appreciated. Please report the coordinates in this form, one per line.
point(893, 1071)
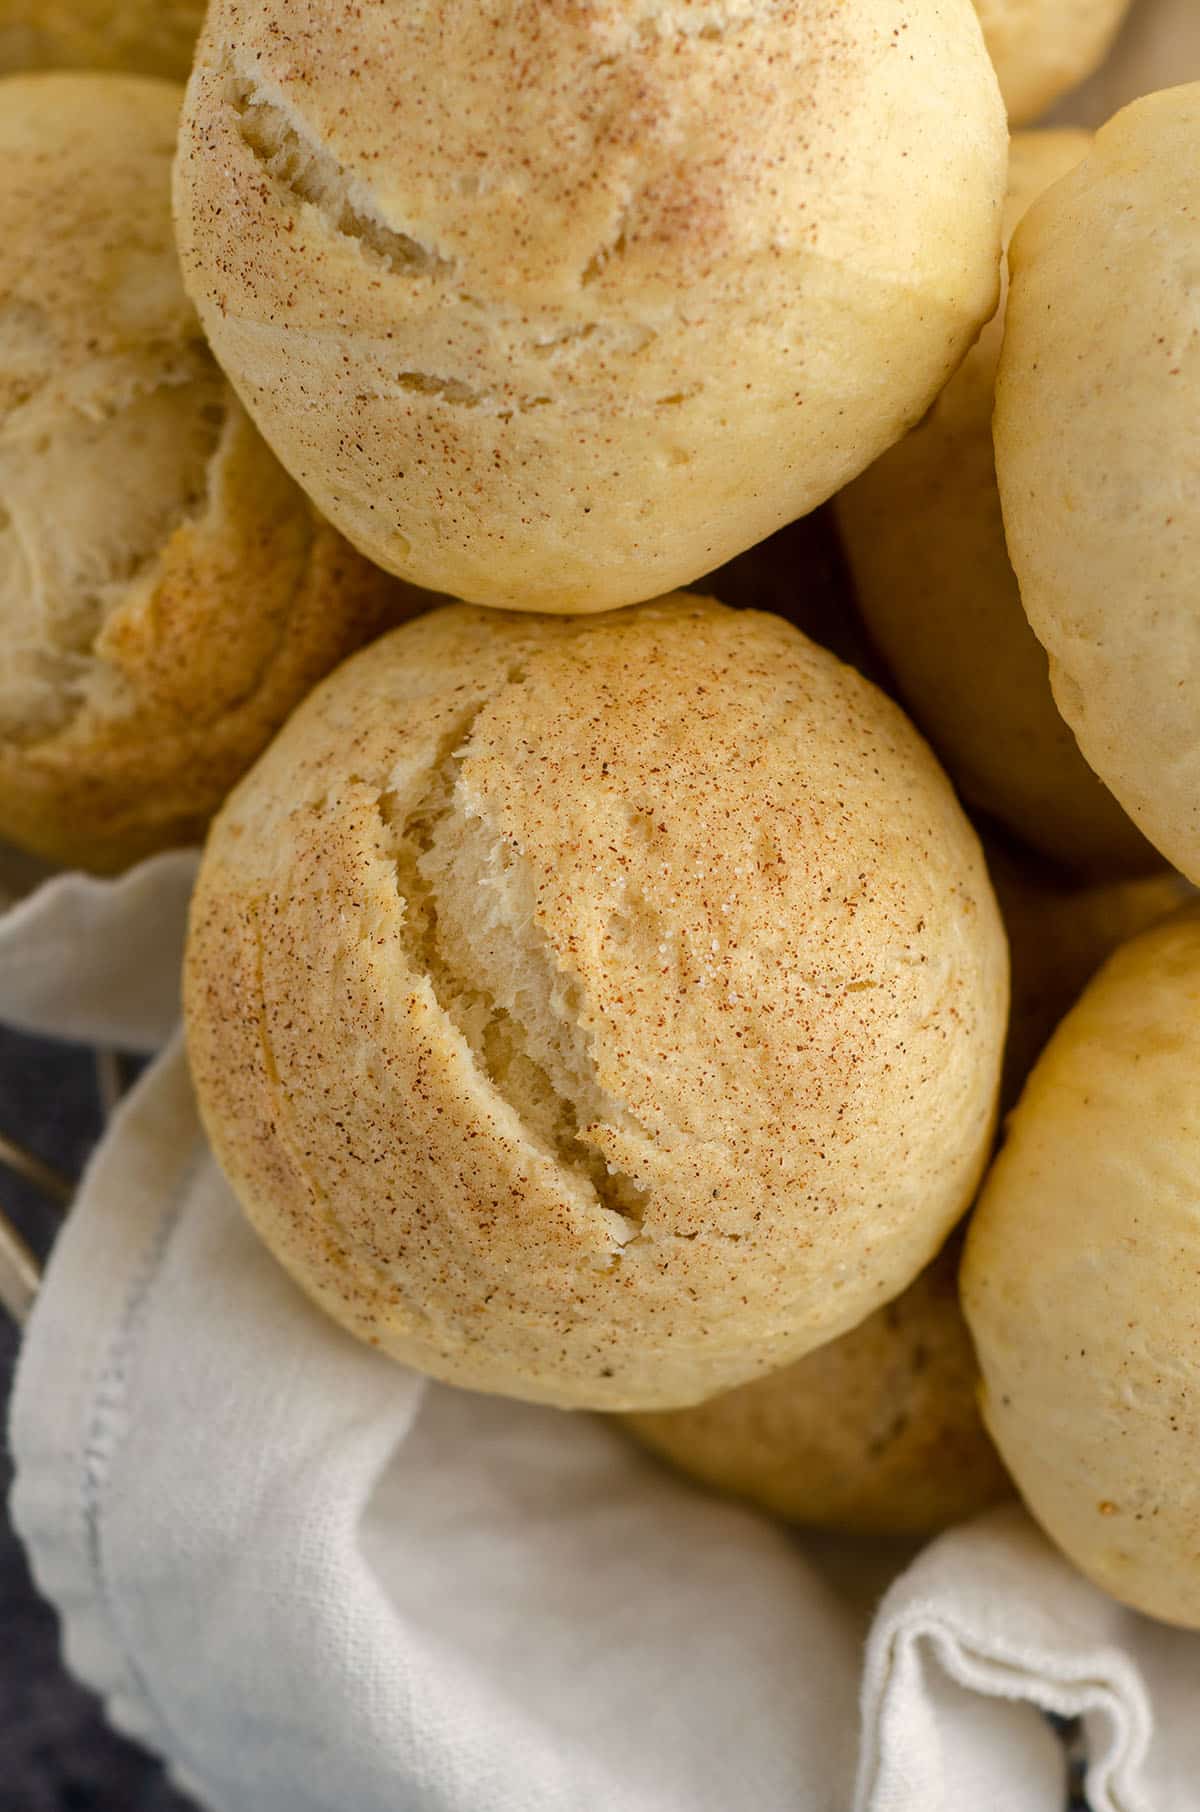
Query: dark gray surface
point(56, 1752)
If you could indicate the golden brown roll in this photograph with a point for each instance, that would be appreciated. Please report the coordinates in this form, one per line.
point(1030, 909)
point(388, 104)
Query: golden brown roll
point(877, 1433)
point(1058, 936)
point(167, 593)
point(563, 356)
point(1097, 453)
point(1043, 48)
point(1079, 1281)
point(599, 1011)
point(1158, 47)
point(144, 37)
point(924, 536)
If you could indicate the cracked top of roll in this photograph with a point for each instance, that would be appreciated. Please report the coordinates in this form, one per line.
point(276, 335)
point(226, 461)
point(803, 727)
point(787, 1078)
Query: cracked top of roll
point(167, 592)
point(598, 1011)
point(556, 306)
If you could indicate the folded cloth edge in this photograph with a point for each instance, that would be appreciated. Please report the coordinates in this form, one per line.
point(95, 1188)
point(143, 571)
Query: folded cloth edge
point(98, 960)
point(66, 1419)
point(1098, 1682)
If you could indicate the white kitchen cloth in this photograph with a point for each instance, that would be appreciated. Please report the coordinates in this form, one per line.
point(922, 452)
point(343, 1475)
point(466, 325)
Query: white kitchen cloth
point(992, 1609)
point(315, 1582)
point(319, 1584)
point(95, 960)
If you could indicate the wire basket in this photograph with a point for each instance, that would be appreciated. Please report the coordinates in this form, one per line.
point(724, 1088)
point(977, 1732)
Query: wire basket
point(20, 1266)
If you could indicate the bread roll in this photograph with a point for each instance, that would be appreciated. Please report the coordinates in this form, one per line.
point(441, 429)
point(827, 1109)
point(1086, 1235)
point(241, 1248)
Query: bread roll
point(877, 1433)
point(880, 1431)
point(1058, 936)
point(1097, 450)
point(1079, 1281)
point(564, 351)
point(924, 537)
point(167, 593)
point(597, 1011)
point(146, 37)
point(1042, 48)
point(800, 574)
point(1159, 47)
